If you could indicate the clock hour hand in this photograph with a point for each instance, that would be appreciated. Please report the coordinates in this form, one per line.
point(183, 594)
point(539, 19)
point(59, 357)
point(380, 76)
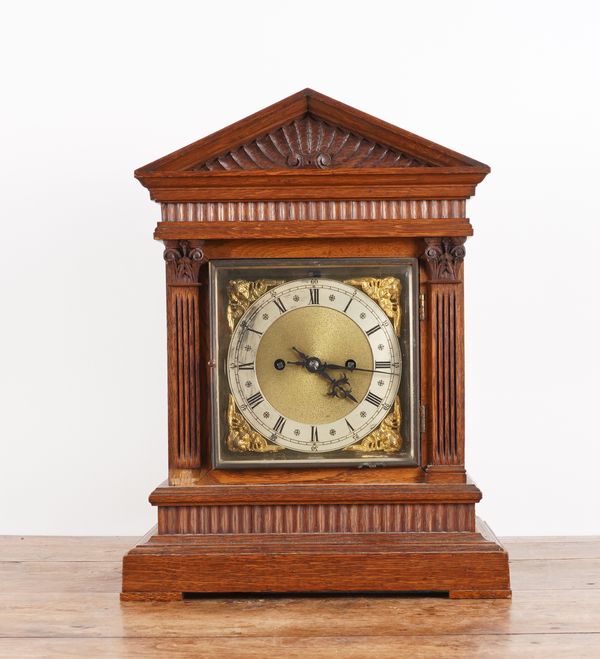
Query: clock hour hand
point(337, 388)
point(315, 365)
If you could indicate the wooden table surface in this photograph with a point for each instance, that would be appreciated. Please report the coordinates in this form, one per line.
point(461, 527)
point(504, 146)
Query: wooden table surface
point(59, 597)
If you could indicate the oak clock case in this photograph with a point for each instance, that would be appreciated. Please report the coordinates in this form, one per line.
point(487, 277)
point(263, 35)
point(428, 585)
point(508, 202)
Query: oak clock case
point(314, 362)
point(271, 485)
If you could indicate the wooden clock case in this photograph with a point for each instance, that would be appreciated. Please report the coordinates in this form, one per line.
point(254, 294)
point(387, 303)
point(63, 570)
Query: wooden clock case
point(312, 177)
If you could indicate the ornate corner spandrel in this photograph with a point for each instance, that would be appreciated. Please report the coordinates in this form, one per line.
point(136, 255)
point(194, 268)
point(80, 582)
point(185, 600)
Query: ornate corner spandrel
point(241, 438)
point(386, 438)
point(386, 292)
point(185, 260)
point(443, 258)
point(242, 293)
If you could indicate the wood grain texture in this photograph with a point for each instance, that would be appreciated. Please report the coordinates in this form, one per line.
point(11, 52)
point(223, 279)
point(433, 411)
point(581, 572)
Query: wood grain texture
point(577, 576)
point(184, 389)
point(43, 614)
point(291, 486)
point(315, 229)
point(446, 409)
point(339, 184)
point(557, 547)
point(48, 548)
point(60, 576)
point(318, 562)
point(56, 614)
point(533, 646)
point(317, 572)
point(259, 211)
point(295, 247)
point(319, 518)
point(75, 549)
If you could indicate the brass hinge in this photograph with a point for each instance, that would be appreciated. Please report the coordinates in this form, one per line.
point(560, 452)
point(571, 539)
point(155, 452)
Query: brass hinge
point(422, 306)
point(422, 418)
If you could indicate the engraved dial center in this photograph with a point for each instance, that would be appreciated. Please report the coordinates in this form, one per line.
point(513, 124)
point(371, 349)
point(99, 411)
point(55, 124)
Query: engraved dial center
point(325, 335)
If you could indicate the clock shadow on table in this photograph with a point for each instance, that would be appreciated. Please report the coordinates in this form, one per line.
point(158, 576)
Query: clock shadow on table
point(318, 595)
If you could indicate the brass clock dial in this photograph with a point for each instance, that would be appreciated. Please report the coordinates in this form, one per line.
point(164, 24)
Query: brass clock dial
point(314, 365)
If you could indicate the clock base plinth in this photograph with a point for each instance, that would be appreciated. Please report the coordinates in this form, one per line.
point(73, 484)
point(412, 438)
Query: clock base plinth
point(459, 564)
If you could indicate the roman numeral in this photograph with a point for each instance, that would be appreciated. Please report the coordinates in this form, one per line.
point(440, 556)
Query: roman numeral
point(373, 399)
point(373, 330)
point(349, 303)
point(280, 305)
point(255, 399)
point(245, 326)
point(314, 296)
point(314, 434)
point(278, 427)
point(246, 367)
point(350, 428)
point(383, 365)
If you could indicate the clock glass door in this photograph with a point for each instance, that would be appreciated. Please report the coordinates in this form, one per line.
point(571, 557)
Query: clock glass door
point(315, 362)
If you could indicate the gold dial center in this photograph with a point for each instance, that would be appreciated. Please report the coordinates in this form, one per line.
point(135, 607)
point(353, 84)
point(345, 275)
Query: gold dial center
point(326, 335)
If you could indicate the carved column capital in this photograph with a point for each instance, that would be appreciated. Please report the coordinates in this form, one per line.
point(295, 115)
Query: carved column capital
point(443, 258)
point(185, 259)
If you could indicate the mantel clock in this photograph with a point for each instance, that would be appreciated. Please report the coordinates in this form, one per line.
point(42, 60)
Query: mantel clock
point(314, 276)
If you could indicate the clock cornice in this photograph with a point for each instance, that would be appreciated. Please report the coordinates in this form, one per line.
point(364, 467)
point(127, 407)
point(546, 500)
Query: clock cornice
point(306, 147)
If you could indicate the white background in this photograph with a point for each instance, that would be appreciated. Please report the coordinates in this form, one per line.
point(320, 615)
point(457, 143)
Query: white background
point(93, 90)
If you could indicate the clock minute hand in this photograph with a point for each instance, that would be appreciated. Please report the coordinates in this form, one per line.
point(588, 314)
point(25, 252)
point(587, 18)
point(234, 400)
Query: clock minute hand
point(302, 355)
point(345, 368)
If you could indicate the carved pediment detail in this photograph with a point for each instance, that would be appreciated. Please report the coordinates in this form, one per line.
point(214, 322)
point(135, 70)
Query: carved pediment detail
point(309, 143)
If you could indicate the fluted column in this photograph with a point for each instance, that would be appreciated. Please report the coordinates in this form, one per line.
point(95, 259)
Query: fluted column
point(183, 259)
point(443, 260)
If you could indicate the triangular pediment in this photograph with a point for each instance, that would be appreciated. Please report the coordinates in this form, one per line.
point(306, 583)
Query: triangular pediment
point(308, 131)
